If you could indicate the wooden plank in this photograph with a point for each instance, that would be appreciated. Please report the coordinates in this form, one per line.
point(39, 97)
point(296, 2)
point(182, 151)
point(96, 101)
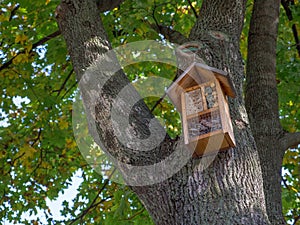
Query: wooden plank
point(203, 98)
point(177, 81)
point(222, 76)
point(195, 74)
point(230, 139)
point(209, 145)
point(203, 112)
point(225, 114)
point(221, 106)
point(229, 127)
point(189, 78)
point(227, 85)
point(204, 136)
point(206, 67)
point(184, 120)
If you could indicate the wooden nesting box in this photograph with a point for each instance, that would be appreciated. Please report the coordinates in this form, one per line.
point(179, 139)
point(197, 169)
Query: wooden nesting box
point(200, 95)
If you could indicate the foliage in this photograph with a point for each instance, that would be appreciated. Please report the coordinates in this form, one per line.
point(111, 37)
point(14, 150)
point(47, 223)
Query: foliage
point(38, 153)
point(288, 70)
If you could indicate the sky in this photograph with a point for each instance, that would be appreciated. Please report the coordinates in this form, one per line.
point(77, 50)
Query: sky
point(56, 205)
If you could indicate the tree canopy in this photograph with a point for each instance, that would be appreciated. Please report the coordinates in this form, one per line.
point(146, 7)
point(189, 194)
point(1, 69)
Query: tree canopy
point(38, 152)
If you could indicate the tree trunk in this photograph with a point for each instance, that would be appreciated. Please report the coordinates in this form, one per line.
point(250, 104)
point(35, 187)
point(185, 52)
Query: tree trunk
point(262, 101)
point(229, 191)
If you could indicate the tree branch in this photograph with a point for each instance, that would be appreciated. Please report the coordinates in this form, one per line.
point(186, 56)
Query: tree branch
point(88, 209)
point(94, 204)
point(73, 85)
point(193, 8)
point(296, 219)
point(161, 98)
point(13, 12)
point(37, 138)
point(64, 83)
point(158, 102)
point(84, 55)
point(284, 181)
point(290, 140)
point(45, 39)
point(106, 5)
point(40, 42)
point(135, 215)
point(170, 34)
point(288, 11)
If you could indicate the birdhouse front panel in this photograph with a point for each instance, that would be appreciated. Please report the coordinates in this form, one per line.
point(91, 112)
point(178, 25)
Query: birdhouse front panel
point(206, 120)
point(203, 124)
point(200, 95)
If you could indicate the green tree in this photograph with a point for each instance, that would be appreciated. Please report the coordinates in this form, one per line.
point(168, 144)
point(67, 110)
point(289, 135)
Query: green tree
point(46, 46)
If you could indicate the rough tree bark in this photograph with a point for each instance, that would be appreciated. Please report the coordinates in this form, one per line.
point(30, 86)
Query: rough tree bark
point(230, 190)
point(262, 103)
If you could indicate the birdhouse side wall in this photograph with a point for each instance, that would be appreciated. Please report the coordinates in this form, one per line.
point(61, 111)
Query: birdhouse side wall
point(225, 115)
point(184, 119)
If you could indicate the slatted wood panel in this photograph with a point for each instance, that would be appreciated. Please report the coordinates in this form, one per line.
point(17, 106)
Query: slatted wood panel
point(200, 95)
point(207, 128)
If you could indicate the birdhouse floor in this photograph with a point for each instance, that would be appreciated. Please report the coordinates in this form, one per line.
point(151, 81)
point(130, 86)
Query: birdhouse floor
point(210, 143)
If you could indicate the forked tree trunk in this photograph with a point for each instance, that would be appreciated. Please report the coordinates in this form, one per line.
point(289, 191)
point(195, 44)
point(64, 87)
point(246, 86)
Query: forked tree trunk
point(230, 190)
point(262, 102)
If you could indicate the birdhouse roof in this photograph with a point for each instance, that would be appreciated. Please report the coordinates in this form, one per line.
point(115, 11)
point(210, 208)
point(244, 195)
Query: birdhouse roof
point(196, 74)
